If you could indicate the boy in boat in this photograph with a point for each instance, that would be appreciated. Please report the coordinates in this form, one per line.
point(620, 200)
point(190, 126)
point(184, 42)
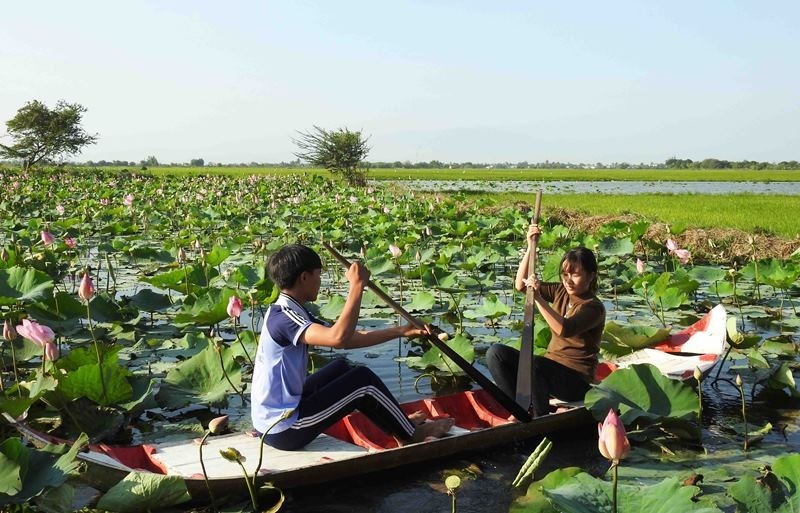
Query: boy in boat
point(576, 318)
point(280, 377)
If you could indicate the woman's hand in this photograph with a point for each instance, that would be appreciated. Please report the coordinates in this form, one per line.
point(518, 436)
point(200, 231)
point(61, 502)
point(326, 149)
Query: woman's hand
point(533, 232)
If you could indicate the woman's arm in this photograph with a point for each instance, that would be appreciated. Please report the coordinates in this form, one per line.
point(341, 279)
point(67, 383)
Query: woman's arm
point(522, 271)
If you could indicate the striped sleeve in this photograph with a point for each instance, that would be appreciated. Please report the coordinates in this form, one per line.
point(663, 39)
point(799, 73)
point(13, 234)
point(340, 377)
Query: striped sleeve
point(286, 326)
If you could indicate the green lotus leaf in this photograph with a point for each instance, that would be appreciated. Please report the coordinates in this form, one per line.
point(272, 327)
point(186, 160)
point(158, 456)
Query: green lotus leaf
point(737, 339)
point(207, 309)
point(773, 490)
point(491, 308)
point(140, 491)
point(643, 396)
point(156, 255)
point(587, 494)
point(535, 501)
point(149, 301)
point(217, 255)
point(620, 340)
point(421, 301)
point(434, 359)
point(189, 277)
point(200, 379)
point(611, 246)
point(85, 382)
point(333, 308)
point(19, 284)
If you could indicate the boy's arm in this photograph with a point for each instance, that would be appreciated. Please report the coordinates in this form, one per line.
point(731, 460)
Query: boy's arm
point(363, 338)
point(344, 327)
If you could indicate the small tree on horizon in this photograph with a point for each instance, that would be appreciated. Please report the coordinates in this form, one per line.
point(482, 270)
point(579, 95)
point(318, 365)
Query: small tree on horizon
point(339, 151)
point(42, 135)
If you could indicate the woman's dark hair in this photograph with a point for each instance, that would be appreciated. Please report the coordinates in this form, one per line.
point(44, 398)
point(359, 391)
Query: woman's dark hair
point(583, 258)
point(289, 262)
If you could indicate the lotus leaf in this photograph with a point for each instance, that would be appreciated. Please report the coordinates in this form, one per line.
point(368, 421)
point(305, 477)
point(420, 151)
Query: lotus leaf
point(206, 309)
point(149, 301)
point(85, 382)
point(643, 396)
point(586, 494)
point(140, 491)
point(776, 489)
point(433, 359)
point(200, 380)
point(421, 301)
point(619, 340)
point(18, 284)
point(491, 308)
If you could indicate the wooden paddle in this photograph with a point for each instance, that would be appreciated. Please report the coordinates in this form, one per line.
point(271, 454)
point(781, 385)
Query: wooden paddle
point(524, 385)
point(508, 403)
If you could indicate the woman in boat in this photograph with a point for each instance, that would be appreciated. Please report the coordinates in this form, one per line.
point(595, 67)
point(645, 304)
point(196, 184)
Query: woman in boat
point(281, 383)
point(576, 318)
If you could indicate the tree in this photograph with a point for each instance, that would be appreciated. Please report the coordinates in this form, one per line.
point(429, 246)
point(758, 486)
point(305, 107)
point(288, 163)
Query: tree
point(43, 135)
point(197, 162)
point(340, 152)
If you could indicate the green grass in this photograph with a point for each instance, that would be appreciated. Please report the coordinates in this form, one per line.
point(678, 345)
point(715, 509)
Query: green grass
point(752, 213)
point(672, 175)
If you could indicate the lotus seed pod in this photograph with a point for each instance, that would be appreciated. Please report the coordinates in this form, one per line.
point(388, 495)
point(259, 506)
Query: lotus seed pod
point(452, 483)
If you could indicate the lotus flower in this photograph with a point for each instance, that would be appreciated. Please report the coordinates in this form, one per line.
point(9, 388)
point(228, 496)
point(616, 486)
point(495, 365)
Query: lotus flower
point(50, 352)
point(671, 245)
point(683, 255)
point(234, 306)
point(47, 238)
point(60, 209)
point(395, 251)
point(70, 242)
point(128, 200)
point(232, 454)
point(86, 288)
point(35, 332)
point(9, 333)
point(612, 441)
point(218, 425)
point(640, 266)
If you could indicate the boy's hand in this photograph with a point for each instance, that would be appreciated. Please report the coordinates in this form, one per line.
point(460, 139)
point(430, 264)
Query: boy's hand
point(357, 275)
point(409, 331)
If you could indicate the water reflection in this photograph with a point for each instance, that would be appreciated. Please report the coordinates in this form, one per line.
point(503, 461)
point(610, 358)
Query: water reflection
point(604, 187)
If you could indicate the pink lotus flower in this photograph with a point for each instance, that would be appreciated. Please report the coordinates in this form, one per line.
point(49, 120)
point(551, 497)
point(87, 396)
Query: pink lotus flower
point(683, 255)
point(395, 251)
point(70, 242)
point(9, 333)
point(47, 238)
point(128, 200)
point(35, 332)
point(50, 352)
point(612, 440)
point(104, 201)
point(640, 266)
point(234, 307)
point(60, 209)
point(671, 246)
point(86, 288)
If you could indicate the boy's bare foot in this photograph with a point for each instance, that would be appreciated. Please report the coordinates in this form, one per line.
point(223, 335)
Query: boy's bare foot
point(418, 417)
point(433, 429)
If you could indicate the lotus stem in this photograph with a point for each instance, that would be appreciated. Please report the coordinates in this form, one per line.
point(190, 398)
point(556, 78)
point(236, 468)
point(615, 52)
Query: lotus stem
point(286, 415)
point(614, 476)
point(97, 351)
point(227, 378)
point(249, 486)
point(238, 338)
point(740, 386)
point(14, 365)
point(205, 474)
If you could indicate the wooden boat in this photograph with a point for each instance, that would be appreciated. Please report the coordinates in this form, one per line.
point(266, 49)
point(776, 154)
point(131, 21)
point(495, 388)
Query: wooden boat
point(355, 446)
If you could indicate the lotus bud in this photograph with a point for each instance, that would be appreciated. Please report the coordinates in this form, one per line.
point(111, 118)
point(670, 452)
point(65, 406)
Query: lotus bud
point(418, 256)
point(4, 255)
point(197, 244)
point(444, 337)
point(233, 455)
point(86, 288)
point(9, 333)
point(50, 352)
point(218, 425)
point(395, 251)
point(234, 307)
point(739, 381)
point(612, 440)
point(181, 255)
point(428, 231)
point(640, 266)
point(363, 252)
point(47, 238)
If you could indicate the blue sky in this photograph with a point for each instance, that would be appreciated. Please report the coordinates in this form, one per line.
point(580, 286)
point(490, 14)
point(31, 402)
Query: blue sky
point(582, 81)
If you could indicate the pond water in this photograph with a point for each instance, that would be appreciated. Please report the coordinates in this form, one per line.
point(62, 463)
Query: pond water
point(604, 187)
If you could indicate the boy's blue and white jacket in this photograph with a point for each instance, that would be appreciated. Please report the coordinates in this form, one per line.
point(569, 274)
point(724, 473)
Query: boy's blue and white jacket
point(281, 364)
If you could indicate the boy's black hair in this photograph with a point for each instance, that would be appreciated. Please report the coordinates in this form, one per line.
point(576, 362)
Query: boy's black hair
point(289, 262)
point(584, 258)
